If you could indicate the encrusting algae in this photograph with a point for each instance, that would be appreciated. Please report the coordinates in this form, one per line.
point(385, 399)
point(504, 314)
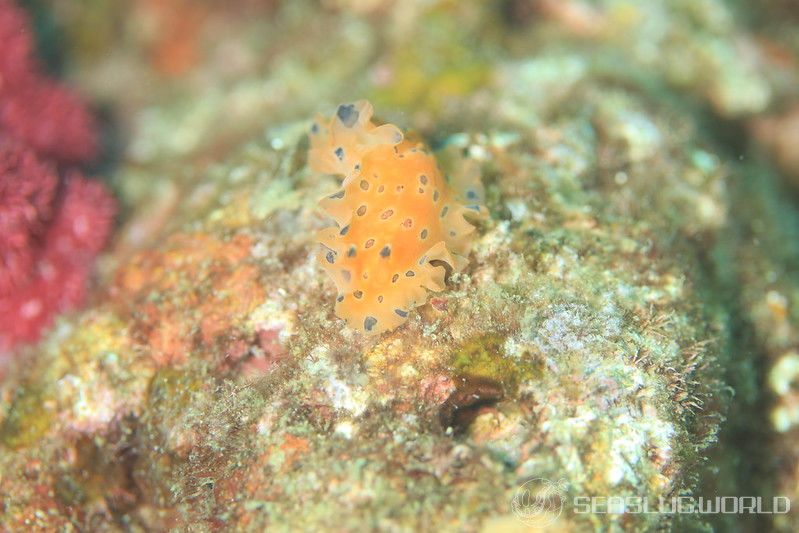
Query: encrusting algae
point(399, 225)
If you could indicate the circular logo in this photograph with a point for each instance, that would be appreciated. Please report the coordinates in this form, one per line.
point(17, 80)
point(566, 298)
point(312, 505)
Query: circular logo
point(539, 502)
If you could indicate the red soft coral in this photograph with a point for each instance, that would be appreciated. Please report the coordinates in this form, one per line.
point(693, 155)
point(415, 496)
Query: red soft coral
point(52, 120)
point(15, 63)
point(84, 220)
point(34, 109)
point(27, 189)
point(53, 221)
point(57, 280)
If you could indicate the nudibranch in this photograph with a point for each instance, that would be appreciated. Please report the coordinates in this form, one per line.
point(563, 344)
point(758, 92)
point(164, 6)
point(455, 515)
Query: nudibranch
point(398, 223)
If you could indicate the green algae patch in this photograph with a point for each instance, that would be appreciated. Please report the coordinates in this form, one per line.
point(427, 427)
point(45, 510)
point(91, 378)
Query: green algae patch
point(165, 436)
point(434, 66)
point(484, 357)
point(174, 387)
point(28, 420)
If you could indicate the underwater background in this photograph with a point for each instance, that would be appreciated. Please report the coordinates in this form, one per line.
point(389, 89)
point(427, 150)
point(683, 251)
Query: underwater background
point(624, 324)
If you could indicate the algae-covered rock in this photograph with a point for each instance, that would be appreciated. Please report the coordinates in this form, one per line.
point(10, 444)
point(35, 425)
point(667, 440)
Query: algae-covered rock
point(570, 348)
point(605, 335)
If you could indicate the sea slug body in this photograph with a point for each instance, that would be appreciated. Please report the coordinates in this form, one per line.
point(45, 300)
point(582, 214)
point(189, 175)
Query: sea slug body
point(399, 225)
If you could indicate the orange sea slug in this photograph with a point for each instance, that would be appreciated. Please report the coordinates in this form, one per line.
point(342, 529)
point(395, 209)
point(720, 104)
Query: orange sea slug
point(398, 223)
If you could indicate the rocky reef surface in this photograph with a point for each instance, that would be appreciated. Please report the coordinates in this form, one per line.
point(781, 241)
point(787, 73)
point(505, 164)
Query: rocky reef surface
point(627, 323)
